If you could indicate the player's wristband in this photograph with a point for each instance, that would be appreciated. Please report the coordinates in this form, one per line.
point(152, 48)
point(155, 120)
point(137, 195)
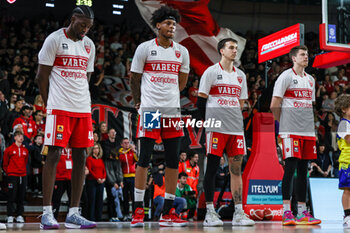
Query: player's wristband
point(201, 104)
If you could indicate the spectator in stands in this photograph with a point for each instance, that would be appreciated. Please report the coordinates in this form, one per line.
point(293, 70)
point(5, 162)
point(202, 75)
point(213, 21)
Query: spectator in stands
point(15, 166)
point(4, 83)
point(191, 168)
point(95, 182)
point(193, 91)
point(328, 104)
point(3, 109)
point(341, 79)
point(159, 193)
point(18, 87)
point(26, 120)
point(183, 190)
point(127, 157)
point(13, 114)
point(328, 84)
point(36, 163)
point(114, 184)
point(103, 131)
point(118, 68)
point(63, 179)
point(38, 117)
point(12, 102)
point(221, 175)
point(39, 104)
point(321, 167)
point(109, 144)
point(2, 145)
point(182, 159)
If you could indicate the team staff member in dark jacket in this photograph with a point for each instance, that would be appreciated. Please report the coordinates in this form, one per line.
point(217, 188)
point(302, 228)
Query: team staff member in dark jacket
point(15, 166)
point(95, 182)
point(63, 179)
point(114, 179)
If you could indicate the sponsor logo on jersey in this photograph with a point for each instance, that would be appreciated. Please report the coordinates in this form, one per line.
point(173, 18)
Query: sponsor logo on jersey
point(296, 149)
point(64, 46)
point(177, 53)
point(162, 67)
point(59, 128)
point(87, 47)
point(71, 62)
point(59, 136)
point(215, 146)
point(219, 77)
point(215, 140)
point(153, 53)
point(240, 79)
point(295, 81)
point(296, 143)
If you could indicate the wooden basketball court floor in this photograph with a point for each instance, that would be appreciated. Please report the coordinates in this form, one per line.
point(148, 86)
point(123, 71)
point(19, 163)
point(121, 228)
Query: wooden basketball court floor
point(194, 227)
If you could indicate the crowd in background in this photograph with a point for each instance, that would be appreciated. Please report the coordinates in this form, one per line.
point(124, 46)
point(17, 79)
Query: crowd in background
point(111, 163)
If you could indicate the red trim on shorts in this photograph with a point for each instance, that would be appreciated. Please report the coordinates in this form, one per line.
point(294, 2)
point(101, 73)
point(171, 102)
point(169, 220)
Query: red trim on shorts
point(303, 137)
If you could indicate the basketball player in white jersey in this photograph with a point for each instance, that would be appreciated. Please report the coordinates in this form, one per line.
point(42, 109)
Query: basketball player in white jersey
point(292, 107)
point(159, 69)
point(221, 95)
point(66, 62)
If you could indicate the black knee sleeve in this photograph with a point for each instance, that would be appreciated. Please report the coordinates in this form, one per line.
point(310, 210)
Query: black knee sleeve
point(213, 162)
point(172, 152)
point(289, 170)
point(144, 151)
point(302, 180)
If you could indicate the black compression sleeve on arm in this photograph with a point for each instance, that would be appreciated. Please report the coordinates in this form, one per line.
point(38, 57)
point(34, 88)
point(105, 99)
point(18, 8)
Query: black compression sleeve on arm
point(201, 104)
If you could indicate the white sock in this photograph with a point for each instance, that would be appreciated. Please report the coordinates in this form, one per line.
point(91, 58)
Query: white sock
point(73, 210)
point(169, 196)
point(301, 208)
point(210, 207)
point(239, 207)
point(47, 209)
point(139, 194)
point(286, 207)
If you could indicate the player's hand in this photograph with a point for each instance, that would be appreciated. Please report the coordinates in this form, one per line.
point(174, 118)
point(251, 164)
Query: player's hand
point(122, 184)
point(137, 106)
point(116, 186)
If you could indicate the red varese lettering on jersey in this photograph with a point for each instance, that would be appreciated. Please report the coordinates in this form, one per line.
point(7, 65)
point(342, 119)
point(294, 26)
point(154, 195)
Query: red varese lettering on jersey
point(162, 66)
point(71, 62)
point(226, 90)
point(299, 94)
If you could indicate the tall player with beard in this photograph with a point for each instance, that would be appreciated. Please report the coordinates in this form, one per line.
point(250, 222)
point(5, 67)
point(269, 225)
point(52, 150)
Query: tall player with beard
point(66, 62)
point(221, 95)
point(291, 106)
point(159, 69)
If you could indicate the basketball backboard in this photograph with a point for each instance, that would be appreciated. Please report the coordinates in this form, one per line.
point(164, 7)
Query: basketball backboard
point(335, 27)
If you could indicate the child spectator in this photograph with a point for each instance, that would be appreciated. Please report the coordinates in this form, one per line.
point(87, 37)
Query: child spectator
point(15, 166)
point(342, 108)
point(36, 162)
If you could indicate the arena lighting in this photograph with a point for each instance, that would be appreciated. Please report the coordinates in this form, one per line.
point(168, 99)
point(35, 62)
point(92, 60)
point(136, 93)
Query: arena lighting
point(116, 12)
point(50, 4)
point(118, 6)
point(11, 1)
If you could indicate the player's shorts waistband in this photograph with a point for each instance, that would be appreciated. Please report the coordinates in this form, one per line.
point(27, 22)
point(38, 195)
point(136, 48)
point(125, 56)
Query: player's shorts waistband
point(67, 113)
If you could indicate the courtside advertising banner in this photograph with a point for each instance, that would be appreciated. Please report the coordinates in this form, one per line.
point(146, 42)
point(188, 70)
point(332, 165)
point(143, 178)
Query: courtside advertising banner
point(281, 42)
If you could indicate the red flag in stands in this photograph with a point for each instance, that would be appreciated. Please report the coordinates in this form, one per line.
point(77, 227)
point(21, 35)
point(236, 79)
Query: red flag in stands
point(197, 31)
